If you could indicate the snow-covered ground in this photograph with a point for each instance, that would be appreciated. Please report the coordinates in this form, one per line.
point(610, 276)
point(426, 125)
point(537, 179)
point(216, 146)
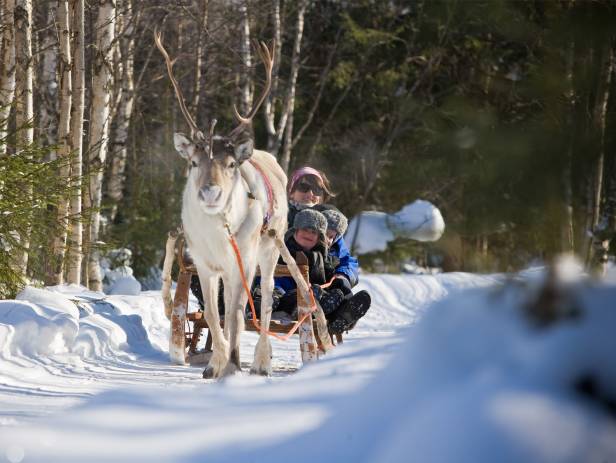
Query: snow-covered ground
point(444, 367)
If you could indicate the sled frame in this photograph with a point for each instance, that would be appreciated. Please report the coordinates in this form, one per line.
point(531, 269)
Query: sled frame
point(188, 327)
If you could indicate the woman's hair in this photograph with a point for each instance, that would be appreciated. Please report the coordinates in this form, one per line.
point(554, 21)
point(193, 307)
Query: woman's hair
point(313, 177)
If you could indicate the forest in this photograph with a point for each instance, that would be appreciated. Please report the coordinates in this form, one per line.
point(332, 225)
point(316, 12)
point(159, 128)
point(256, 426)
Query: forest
point(501, 113)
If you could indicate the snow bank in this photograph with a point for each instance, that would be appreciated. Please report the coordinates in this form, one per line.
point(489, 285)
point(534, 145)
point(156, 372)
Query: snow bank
point(38, 323)
point(70, 320)
point(478, 380)
point(371, 231)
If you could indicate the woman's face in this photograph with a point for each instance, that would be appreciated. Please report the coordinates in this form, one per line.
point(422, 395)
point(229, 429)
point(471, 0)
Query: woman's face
point(306, 238)
point(306, 192)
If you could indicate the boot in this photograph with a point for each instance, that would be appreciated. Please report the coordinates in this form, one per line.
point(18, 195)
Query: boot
point(349, 312)
point(331, 300)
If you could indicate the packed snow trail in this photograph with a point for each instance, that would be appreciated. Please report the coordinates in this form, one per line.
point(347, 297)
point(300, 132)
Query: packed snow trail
point(61, 346)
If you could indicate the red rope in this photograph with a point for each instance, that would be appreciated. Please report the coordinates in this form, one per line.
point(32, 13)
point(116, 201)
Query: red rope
point(252, 304)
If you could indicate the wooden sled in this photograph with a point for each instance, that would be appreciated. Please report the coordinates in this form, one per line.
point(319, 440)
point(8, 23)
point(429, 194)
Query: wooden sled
point(187, 328)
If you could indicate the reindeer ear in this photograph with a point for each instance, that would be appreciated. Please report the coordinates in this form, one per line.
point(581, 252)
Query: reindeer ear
point(182, 145)
point(243, 151)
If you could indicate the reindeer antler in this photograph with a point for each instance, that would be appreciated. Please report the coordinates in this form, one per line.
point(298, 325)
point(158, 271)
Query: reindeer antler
point(268, 61)
point(195, 132)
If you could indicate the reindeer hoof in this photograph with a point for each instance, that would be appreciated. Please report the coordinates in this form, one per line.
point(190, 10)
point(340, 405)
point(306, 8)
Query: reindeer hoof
point(208, 373)
point(260, 371)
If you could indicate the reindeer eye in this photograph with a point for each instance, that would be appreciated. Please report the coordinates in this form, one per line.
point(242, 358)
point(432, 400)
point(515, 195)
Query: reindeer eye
point(193, 163)
point(232, 165)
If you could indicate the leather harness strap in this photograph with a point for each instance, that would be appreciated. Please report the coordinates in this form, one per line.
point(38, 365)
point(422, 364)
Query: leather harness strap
point(270, 196)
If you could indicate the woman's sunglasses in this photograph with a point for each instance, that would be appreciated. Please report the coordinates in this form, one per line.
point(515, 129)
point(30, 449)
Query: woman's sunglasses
point(306, 187)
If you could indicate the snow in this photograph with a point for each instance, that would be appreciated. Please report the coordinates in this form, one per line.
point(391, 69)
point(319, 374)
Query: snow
point(371, 231)
point(443, 368)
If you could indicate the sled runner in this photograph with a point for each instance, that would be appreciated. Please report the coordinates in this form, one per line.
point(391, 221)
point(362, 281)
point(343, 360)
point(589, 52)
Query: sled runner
point(187, 328)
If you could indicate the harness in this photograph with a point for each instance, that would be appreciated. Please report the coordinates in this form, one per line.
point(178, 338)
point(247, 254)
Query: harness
point(270, 196)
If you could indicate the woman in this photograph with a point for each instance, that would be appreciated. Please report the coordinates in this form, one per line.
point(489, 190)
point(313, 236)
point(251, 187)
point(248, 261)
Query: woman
point(310, 188)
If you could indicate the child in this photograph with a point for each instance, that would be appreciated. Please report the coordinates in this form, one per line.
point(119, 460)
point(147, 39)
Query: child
point(309, 235)
point(352, 307)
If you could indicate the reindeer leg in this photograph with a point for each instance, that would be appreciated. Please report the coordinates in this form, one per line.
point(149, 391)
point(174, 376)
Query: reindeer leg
point(234, 322)
point(262, 364)
point(236, 315)
point(220, 346)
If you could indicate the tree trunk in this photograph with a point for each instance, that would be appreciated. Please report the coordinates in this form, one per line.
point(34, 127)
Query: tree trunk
point(78, 79)
point(7, 74)
point(23, 100)
point(567, 233)
point(47, 97)
point(272, 98)
point(599, 119)
point(99, 133)
point(289, 104)
point(194, 107)
point(64, 141)
point(245, 82)
point(119, 148)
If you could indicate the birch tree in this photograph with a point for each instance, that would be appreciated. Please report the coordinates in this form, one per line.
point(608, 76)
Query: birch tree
point(567, 232)
point(99, 131)
point(76, 136)
point(47, 95)
point(119, 148)
point(245, 82)
point(23, 100)
point(283, 131)
point(64, 141)
point(599, 123)
point(202, 28)
point(7, 73)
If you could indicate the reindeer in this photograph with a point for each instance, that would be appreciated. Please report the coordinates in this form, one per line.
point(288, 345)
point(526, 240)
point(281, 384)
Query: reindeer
point(232, 190)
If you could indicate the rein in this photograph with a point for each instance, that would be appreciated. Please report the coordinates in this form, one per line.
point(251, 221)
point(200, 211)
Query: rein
point(270, 196)
point(256, 324)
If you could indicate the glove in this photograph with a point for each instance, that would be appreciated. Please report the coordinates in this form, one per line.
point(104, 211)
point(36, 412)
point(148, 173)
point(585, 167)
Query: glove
point(317, 291)
point(341, 283)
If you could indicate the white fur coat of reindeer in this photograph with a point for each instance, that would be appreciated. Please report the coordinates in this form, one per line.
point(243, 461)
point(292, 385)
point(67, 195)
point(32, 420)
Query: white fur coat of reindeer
point(231, 188)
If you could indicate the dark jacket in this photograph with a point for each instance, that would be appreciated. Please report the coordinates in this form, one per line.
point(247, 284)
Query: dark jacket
point(347, 264)
point(318, 261)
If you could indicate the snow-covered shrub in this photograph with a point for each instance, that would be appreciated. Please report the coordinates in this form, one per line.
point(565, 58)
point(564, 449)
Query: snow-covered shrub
point(118, 275)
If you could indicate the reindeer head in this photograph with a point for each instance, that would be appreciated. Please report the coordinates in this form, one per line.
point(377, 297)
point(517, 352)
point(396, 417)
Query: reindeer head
point(214, 161)
point(213, 167)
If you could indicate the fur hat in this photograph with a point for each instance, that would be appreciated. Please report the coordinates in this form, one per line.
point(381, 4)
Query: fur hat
point(309, 218)
point(336, 221)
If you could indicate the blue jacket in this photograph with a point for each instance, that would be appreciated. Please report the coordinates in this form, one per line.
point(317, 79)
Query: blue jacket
point(348, 266)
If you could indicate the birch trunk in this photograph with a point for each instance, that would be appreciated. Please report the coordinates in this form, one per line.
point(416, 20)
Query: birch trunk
point(567, 233)
point(194, 107)
point(64, 142)
point(245, 82)
point(47, 97)
point(599, 118)
point(119, 148)
point(78, 80)
point(289, 101)
point(23, 100)
point(270, 102)
point(7, 75)
point(99, 132)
